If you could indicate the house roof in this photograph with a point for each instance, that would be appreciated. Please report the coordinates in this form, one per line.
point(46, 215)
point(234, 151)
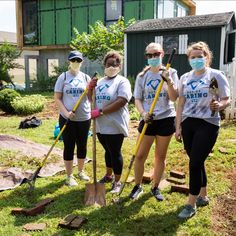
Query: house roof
point(7, 37)
point(196, 21)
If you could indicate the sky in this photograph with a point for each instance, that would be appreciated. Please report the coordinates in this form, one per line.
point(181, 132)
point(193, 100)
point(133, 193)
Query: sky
point(8, 18)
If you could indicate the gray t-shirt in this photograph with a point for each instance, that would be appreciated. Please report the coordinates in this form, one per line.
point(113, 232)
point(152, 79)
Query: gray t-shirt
point(195, 89)
point(107, 91)
point(72, 86)
point(145, 90)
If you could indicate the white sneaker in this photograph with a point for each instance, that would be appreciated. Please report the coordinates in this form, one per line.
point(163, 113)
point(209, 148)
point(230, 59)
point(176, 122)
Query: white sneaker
point(83, 176)
point(71, 181)
point(116, 187)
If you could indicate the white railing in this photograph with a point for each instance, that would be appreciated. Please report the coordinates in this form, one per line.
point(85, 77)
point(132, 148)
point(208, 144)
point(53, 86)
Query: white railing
point(230, 71)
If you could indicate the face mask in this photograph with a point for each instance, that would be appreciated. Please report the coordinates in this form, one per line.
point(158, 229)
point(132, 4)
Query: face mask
point(75, 66)
point(154, 62)
point(111, 71)
point(197, 63)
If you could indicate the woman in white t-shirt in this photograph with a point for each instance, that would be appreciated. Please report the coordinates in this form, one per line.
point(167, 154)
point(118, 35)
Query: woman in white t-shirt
point(113, 93)
point(161, 127)
point(203, 92)
point(68, 88)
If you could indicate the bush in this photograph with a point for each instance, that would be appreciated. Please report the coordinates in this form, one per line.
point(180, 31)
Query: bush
point(6, 97)
point(134, 114)
point(28, 104)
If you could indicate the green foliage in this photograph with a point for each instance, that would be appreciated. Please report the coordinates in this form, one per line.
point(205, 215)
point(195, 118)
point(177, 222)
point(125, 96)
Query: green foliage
point(134, 114)
point(132, 82)
point(28, 104)
point(101, 39)
point(8, 54)
point(57, 70)
point(6, 97)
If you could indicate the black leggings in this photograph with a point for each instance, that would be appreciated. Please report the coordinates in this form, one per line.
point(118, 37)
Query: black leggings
point(112, 144)
point(199, 138)
point(76, 132)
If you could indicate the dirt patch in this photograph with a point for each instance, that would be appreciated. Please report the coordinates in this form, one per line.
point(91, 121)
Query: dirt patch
point(224, 213)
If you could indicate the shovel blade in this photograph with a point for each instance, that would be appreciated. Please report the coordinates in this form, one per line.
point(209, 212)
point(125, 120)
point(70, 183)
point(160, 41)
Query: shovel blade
point(90, 194)
point(100, 198)
point(95, 195)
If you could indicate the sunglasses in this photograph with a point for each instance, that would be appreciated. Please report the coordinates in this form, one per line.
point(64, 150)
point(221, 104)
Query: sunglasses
point(111, 64)
point(151, 55)
point(76, 60)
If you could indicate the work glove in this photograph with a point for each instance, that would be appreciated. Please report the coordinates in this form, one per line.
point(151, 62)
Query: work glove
point(165, 76)
point(148, 118)
point(93, 83)
point(95, 113)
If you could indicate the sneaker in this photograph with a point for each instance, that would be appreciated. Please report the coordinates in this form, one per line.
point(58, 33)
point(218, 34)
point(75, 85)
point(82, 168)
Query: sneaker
point(157, 194)
point(83, 176)
point(136, 192)
point(187, 212)
point(201, 201)
point(106, 179)
point(71, 181)
point(116, 187)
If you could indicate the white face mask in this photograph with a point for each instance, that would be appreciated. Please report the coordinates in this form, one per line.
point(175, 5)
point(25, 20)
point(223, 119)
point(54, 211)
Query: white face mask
point(75, 66)
point(111, 71)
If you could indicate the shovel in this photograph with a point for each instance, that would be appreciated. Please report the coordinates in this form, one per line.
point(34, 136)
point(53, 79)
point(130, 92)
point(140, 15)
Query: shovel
point(145, 126)
point(94, 192)
point(214, 91)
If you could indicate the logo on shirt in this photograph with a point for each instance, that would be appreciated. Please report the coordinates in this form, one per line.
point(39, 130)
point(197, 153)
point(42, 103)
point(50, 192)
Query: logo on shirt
point(153, 83)
point(102, 87)
point(195, 83)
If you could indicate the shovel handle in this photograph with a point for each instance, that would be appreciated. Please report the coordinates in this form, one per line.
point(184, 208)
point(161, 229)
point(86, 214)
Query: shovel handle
point(213, 112)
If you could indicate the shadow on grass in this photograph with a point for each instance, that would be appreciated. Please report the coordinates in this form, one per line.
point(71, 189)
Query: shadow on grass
point(141, 217)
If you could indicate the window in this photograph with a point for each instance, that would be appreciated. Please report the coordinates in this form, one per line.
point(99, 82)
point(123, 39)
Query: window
point(170, 42)
point(181, 11)
point(160, 9)
point(30, 22)
point(113, 10)
point(168, 8)
point(230, 47)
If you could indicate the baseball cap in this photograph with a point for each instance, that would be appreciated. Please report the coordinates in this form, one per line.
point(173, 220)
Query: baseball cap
point(75, 54)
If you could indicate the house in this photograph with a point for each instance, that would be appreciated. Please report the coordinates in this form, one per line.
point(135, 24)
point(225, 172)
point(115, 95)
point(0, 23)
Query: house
point(47, 26)
point(217, 30)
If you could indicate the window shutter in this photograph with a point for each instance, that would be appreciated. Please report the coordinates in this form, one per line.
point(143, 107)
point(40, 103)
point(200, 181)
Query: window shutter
point(183, 43)
point(159, 39)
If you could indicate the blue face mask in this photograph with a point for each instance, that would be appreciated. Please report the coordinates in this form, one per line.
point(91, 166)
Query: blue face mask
point(197, 63)
point(154, 62)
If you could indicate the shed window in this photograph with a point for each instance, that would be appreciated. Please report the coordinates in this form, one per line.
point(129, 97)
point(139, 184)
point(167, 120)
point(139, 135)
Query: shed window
point(170, 42)
point(113, 10)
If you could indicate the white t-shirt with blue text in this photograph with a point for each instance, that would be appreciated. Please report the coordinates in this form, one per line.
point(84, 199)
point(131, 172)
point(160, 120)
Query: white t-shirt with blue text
point(107, 91)
point(195, 89)
point(145, 90)
point(71, 88)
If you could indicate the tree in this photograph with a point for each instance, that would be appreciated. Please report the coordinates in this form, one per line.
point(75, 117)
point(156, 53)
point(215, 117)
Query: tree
point(8, 54)
point(101, 39)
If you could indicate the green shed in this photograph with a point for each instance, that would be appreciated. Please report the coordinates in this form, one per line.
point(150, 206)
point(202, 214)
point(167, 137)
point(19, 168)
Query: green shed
point(217, 30)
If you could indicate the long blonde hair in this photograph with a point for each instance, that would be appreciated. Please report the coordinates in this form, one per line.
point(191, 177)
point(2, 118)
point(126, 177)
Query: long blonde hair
point(155, 46)
point(204, 48)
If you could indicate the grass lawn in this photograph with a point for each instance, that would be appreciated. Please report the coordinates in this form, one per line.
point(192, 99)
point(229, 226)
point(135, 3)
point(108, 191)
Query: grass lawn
point(145, 216)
